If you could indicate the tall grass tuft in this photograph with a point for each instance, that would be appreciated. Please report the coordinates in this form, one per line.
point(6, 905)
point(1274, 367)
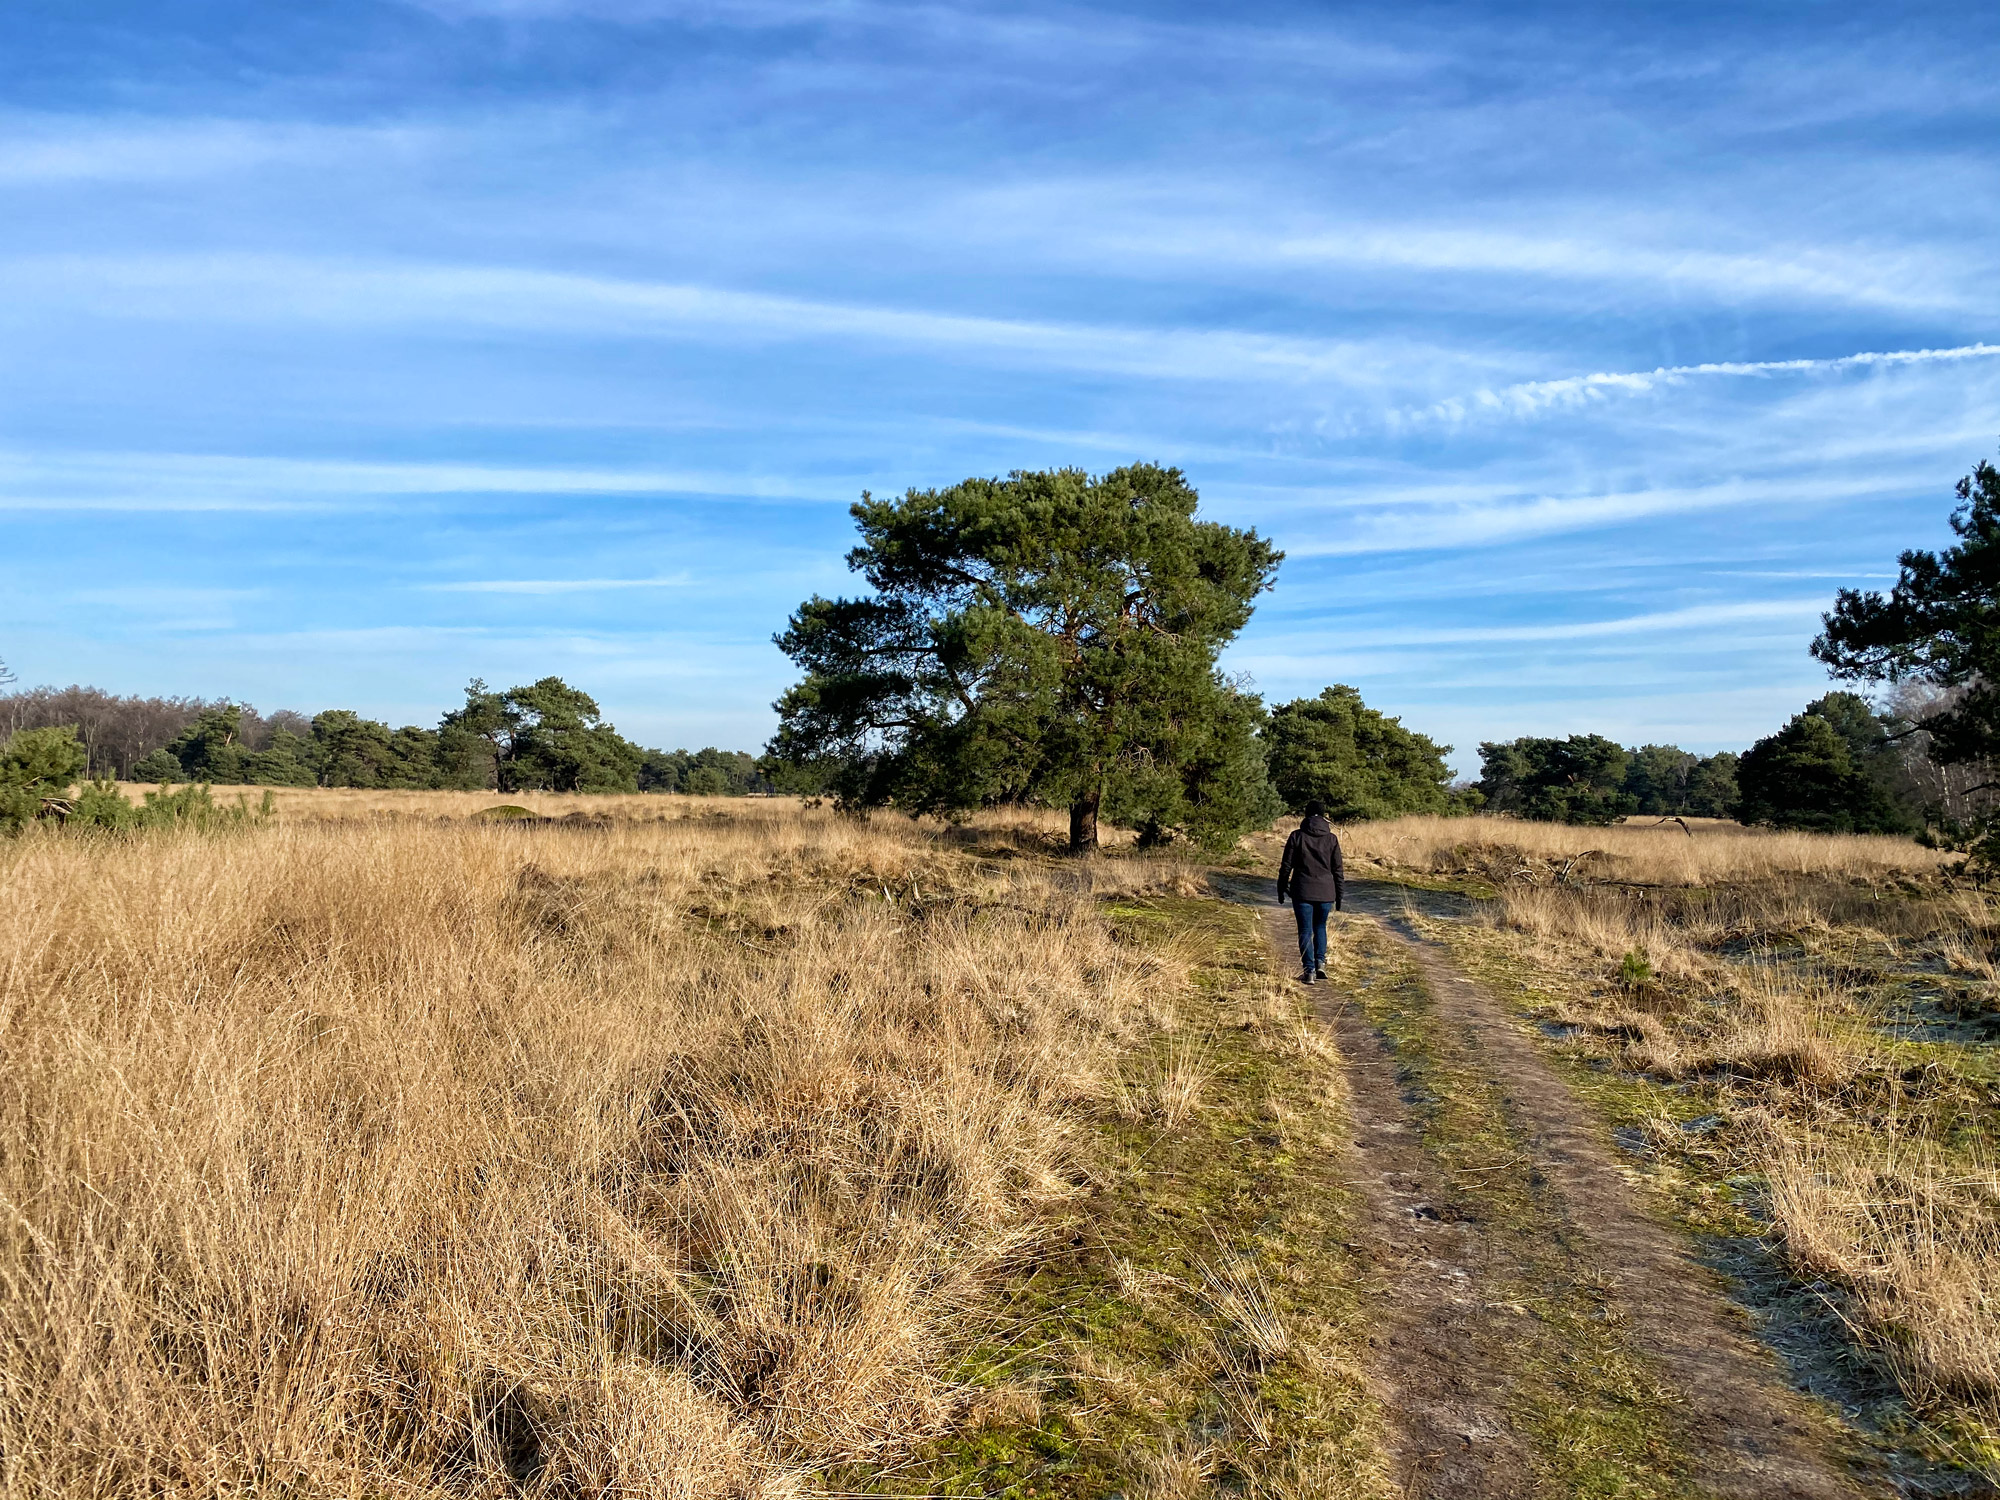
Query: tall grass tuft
point(647, 1158)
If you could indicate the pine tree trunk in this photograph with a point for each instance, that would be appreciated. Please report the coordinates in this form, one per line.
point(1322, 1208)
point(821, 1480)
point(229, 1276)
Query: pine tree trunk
point(1083, 823)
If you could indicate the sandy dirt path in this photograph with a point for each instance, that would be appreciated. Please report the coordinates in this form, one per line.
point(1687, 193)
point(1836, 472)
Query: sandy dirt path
point(1461, 1340)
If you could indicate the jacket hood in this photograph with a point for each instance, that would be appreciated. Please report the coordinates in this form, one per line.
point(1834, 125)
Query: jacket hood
point(1316, 824)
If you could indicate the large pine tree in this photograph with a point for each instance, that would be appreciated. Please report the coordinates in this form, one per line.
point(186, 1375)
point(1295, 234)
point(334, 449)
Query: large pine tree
point(1046, 637)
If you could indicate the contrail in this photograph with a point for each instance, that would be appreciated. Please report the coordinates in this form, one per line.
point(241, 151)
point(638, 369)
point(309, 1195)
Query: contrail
point(1538, 395)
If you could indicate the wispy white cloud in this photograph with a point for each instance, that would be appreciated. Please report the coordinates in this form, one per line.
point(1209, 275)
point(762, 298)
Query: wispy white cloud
point(1531, 398)
point(1455, 516)
point(1844, 577)
point(1262, 221)
point(165, 607)
point(1023, 32)
point(555, 585)
point(47, 149)
point(231, 482)
point(1802, 275)
point(293, 290)
point(1692, 618)
point(777, 251)
point(1689, 620)
point(1806, 274)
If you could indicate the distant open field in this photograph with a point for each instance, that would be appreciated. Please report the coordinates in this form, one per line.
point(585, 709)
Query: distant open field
point(322, 804)
point(1647, 851)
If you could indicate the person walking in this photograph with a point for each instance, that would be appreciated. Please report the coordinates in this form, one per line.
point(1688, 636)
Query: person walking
point(1311, 875)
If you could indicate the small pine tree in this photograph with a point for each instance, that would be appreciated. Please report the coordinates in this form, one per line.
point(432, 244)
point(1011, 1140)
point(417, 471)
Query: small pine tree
point(1809, 775)
point(160, 766)
point(37, 767)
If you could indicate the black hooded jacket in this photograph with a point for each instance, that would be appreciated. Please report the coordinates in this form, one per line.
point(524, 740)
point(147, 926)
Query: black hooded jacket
point(1311, 870)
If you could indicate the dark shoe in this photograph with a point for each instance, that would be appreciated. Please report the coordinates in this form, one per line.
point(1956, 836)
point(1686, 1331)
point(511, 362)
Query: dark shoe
point(1320, 972)
point(1306, 977)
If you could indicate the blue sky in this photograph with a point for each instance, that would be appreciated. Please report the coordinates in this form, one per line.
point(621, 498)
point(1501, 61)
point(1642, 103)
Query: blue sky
point(1575, 355)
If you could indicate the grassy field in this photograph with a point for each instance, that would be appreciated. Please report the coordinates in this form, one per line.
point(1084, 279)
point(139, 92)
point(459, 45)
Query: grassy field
point(657, 1146)
point(684, 1149)
point(1796, 1037)
point(1028, 829)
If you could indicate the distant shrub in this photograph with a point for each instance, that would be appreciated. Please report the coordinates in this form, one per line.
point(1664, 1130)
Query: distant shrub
point(101, 805)
point(159, 766)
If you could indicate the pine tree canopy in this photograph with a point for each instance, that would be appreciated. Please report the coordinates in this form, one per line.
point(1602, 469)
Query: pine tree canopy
point(1353, 760)
point(1048, 637)
point(1939, 624)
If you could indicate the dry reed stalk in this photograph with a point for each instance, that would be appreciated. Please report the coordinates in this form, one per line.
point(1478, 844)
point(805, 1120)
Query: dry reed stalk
point(647, 1158)
point(1175, 1471)
point(1610, 927)
point(1235, 1287)
point(1183, 1079)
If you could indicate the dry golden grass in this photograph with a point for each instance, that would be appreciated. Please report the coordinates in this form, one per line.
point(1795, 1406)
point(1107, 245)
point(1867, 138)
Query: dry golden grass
point(1769, 955)
point(640, 1158)
point(1915, 1237)
point(1639, 850)
point(1021, 827)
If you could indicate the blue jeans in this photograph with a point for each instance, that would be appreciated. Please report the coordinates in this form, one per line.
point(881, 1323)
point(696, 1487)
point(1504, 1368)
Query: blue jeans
point(1312, 939)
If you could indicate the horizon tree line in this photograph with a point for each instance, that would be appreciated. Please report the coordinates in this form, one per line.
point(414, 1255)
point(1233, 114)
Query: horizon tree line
point(545, 735)
point(1053, 637)
point(1840, 765)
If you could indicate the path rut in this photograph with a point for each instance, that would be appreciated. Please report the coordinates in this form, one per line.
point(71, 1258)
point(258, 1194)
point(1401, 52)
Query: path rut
point(1454, 1329)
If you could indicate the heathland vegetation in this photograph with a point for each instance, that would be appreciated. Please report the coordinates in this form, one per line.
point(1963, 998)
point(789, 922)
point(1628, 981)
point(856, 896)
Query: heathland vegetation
point(1793, 1036)
point(684, 1150)
point(379, 1139)
point(702, 1148)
